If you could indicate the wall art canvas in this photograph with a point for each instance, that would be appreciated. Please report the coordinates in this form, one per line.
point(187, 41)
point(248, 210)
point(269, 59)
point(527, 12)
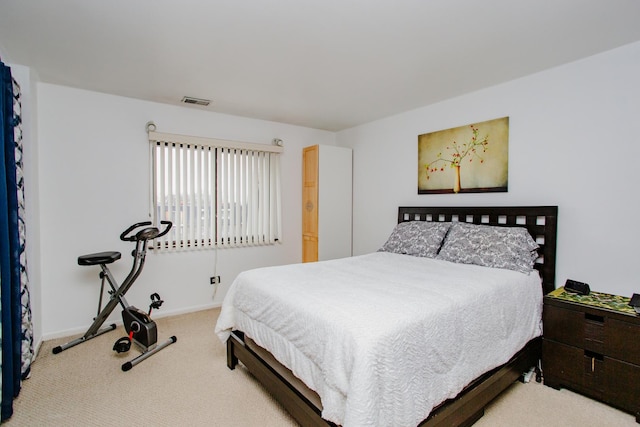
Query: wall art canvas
point(466, 159)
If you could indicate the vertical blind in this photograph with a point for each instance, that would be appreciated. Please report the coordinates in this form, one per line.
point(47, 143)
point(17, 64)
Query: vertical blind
point(216, 193)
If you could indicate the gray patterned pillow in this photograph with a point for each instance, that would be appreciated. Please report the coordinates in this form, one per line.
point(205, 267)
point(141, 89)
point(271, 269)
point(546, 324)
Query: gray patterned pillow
point(512, 248)
point(417, 238)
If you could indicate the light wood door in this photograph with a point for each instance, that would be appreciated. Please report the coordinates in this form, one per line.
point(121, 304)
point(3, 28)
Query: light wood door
point(310, 204)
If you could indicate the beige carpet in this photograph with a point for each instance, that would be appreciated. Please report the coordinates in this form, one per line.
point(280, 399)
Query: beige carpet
point(188, 384)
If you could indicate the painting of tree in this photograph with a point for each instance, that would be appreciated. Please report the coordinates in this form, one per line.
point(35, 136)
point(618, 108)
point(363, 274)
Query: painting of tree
point(466, 159)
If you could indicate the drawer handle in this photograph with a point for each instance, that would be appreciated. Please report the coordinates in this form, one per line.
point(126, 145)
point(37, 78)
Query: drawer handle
point(593, 356)
point(594, 318)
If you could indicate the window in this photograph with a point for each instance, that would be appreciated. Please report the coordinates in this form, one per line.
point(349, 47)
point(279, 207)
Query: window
point(216, 193)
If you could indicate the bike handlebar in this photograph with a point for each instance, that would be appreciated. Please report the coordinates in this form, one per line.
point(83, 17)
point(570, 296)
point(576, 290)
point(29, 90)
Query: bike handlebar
point(169, 224)
point(146, 233)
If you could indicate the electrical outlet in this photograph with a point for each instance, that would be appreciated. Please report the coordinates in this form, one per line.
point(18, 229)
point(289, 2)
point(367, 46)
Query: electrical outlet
point(214, 280)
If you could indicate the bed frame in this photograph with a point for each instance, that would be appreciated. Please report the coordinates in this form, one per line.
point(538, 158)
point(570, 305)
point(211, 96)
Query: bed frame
point(304, 405)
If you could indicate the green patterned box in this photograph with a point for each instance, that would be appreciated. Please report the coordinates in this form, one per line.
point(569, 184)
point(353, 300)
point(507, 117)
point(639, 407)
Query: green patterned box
point(597, 299)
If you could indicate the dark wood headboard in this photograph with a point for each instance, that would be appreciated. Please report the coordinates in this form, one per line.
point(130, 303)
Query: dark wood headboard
point(540, 221)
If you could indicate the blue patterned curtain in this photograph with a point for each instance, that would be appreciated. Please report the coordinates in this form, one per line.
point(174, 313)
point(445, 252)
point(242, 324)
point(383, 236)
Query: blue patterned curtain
point(16, 343)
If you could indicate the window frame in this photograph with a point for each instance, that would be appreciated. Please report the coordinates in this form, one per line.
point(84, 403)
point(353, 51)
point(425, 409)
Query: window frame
point(211, 227)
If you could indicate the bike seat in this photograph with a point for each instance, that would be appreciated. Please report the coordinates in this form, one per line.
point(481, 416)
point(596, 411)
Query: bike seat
point(99, 258)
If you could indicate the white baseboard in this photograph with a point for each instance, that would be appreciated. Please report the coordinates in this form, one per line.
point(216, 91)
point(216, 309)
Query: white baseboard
point(36, 348)
point(156, 315)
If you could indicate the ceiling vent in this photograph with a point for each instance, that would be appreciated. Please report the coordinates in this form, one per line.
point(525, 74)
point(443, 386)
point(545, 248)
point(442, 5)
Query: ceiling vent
point(197, 101)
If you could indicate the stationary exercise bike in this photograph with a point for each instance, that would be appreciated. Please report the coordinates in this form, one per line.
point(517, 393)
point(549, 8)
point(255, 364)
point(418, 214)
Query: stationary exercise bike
point(140, 328)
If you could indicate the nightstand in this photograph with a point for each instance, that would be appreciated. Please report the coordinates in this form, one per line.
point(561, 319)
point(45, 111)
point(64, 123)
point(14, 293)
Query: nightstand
point(591, 344)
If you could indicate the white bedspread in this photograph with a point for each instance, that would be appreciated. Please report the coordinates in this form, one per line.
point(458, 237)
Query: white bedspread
point(383, 338)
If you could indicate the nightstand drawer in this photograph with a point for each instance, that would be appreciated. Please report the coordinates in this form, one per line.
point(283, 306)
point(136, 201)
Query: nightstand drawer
point(576, 328)
point(573, 367)
point(622, 384)
point(561, 363)
point(566, 326)
point(623, 341)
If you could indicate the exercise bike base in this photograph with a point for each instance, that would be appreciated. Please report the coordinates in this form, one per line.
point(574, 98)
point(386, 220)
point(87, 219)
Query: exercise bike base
point(85, 338)
point(130, 364)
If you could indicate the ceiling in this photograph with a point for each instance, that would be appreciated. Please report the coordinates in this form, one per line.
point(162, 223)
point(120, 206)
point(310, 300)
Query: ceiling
point(325, 64)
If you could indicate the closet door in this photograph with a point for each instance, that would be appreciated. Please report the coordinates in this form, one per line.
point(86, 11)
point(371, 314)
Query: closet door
point(310, 204)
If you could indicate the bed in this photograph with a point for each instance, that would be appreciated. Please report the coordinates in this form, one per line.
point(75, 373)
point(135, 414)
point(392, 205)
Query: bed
point(353, 343)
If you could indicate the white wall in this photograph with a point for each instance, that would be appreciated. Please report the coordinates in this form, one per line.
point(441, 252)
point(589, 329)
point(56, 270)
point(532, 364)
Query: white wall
point(94, 182)
point(574, 142)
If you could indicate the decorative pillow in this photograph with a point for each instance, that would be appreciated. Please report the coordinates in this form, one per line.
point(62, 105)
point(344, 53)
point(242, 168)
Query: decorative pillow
point(417, 238)
point(512, 248)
